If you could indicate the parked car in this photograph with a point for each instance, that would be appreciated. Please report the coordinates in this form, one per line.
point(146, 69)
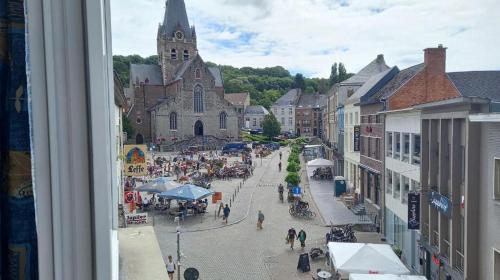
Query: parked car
point(235, 147)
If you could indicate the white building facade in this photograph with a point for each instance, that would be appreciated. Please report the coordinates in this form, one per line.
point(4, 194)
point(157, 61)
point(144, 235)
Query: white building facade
point(284, 110)
point(352, 146)
point(402, 176)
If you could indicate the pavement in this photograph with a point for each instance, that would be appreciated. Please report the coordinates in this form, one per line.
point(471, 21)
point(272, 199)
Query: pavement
point(331, 208)
point(140, 255)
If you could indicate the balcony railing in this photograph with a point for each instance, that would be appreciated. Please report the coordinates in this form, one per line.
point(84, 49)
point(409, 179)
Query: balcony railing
point(435, 239)
point(445, 249)
point(459, 261)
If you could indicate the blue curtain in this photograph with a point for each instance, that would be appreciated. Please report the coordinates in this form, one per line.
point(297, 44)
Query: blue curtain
point(18, 252)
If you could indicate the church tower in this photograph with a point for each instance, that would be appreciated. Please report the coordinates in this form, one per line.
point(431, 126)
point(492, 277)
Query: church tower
point(176, 41)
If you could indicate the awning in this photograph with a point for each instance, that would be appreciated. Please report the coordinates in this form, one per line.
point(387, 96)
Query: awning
point(369, 169)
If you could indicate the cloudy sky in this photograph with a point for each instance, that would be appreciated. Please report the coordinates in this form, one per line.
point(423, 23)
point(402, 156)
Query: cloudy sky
point(307, 36)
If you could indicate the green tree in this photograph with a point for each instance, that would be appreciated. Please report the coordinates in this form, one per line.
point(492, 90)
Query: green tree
point(299, 81)
point(292, 178)
point(334, 75)
point(271, 127)
point(342, 72)
point(127, 126)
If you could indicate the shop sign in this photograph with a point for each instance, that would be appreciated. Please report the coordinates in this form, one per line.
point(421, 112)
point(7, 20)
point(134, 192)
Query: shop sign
point(136, 219)
point(135, 160)
point(413, 210)
point(357, 138)
point(216, 197)
point(441, 203)
point(129, 197)
point(297, 191)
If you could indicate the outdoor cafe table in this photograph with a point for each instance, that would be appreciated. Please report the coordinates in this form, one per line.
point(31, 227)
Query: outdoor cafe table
point(324, 275)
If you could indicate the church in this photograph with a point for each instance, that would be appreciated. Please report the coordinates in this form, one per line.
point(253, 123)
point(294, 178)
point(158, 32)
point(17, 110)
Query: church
point(181, 98)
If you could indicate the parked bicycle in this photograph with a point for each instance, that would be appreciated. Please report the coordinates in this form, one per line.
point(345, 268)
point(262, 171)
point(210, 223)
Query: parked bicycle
point(299, 212)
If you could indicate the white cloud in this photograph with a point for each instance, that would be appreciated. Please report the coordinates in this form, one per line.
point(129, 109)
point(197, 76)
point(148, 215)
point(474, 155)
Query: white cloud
point(309, 35)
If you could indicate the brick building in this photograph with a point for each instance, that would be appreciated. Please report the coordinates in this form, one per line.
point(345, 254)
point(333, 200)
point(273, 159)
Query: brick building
point(309, 115)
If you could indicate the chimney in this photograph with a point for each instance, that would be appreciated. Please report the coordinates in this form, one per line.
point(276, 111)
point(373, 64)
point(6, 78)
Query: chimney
point(435, 59)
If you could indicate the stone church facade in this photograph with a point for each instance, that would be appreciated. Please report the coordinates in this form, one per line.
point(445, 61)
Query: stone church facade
point(181, 97)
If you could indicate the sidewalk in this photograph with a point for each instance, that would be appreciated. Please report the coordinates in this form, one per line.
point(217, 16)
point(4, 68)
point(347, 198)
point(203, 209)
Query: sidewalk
point(331, 208)
point(140, 255)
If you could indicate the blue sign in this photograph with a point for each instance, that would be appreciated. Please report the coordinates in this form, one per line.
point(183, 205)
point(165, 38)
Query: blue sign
point(296, 190)
point(441, 203)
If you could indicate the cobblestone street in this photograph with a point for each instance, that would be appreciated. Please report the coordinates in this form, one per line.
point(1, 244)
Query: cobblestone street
point(239, 250)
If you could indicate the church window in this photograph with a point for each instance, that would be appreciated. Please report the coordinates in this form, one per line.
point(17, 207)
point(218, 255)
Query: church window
point(223, 120)
point(138, 120)
point(198, 99)
point(173, 121)
point(186, 55)
point(197, 73)
point(173, 54)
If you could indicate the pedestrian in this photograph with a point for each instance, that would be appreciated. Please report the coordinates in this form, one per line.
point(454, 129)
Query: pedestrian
point(226, 213)
point(170, 268)
point(290, 237)
point(302, 238)
point(279, 166)
point(260, 219)
point(281, 155)
point(221, 206)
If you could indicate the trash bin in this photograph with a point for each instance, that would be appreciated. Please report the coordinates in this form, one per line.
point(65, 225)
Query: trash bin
point(304, 263)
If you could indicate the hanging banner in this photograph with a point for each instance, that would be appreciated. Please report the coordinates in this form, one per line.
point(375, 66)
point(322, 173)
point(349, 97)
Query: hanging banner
point(357, 138)
point(414, 211)
point(135, 160)
point(441, 203)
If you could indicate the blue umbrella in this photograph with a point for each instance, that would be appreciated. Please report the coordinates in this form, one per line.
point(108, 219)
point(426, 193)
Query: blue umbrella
point(158, 185)
point(187, 192)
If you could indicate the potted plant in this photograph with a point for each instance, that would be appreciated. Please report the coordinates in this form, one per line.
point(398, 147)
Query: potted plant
point(397, 251)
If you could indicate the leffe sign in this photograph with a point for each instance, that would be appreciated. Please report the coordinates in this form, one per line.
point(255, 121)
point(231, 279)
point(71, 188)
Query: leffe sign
point(441, 203)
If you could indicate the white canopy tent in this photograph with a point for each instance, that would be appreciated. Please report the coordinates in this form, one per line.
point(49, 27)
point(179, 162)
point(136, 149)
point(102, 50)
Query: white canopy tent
point(320, 162)
point(347, 258)
point(385, 277)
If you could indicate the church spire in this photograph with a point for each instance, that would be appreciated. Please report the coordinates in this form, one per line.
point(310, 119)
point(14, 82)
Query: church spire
point(176, 19)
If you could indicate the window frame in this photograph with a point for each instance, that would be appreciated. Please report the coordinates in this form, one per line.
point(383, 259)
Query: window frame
point(173, 54)
point(496, 178)
point(173, 121)
point(223, 120)
point(198, 104)
point(76, 80)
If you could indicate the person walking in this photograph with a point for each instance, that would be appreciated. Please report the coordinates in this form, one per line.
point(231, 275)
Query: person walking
point(226, 213)
point(260, 219)
point(279, 166)
point(281, 155)
point(302, 238)
point(290, 237)
point(170, 268)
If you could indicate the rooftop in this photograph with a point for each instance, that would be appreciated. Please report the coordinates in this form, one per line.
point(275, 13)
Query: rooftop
point(145, 73)
point(237, 99)
point(394, 84)
point(290, 98)
point(375, 83)
point(256, 110)
point(376, 66)
point(312, 100)
point(482, 84)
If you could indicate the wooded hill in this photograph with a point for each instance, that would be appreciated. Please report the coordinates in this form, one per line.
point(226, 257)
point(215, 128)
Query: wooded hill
point(265, 85)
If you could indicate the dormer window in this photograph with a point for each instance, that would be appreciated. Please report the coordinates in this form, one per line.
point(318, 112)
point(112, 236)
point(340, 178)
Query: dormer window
point(197, 73)
point(173, 54)
point(186, 55)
